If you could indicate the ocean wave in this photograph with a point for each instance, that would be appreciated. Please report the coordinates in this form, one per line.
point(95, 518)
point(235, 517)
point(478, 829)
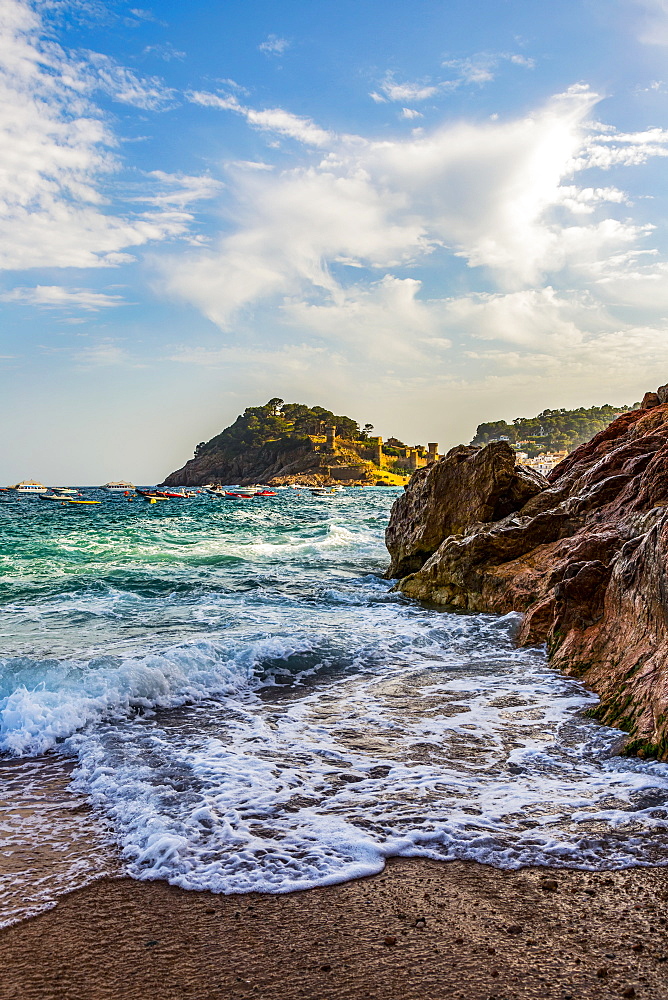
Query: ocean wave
point(44, 701)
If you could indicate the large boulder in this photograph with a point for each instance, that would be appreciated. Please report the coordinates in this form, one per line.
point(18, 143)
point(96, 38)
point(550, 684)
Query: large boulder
point(468, 486)
point(583, 557)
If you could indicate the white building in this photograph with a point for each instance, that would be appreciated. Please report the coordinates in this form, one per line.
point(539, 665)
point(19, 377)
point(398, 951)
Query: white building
point(543, 463)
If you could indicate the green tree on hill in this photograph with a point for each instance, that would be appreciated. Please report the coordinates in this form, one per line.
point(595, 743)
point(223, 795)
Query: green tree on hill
point(277, 420)
point(551, 430)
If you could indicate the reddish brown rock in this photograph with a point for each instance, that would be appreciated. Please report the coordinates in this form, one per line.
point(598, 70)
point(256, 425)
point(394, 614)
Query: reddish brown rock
point(584, 557)
point(469, 485)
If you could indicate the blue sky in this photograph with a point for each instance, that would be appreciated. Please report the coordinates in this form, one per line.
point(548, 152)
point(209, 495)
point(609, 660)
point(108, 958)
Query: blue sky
point(424, 215)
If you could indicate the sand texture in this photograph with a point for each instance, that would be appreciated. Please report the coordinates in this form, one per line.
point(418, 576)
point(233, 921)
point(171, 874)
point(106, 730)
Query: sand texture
point(421, 930)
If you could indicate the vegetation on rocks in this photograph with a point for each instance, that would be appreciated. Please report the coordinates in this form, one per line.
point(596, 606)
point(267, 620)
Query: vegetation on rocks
point(279, 440)
point(277, 421)
point(551, 430)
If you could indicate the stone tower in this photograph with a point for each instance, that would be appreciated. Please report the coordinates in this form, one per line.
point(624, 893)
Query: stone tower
point(330, 433)
point(433, 451)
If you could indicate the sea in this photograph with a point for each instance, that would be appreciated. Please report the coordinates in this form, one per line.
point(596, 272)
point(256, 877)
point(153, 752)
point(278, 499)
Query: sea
point(228, 695)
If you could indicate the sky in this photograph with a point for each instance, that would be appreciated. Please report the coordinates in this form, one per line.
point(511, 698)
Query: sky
point(424, 215)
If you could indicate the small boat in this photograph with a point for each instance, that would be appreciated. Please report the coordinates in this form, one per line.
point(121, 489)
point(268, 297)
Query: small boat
point(65, 489)
point(240, 496)
point(64, 498)
point(154, 495)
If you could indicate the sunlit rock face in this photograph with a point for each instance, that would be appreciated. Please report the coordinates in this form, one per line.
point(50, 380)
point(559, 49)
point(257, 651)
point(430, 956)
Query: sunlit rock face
point(469, 486)
point(583, 555)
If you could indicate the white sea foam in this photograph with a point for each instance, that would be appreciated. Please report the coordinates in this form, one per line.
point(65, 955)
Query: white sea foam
point(249, 707)
point(439, 758)
point(49, 700)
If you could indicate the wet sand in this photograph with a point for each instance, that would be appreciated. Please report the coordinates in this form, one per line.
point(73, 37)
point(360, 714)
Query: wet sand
point(421, 930)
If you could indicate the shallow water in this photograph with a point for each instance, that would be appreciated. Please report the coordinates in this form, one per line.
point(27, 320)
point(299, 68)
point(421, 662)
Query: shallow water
point(228, 696)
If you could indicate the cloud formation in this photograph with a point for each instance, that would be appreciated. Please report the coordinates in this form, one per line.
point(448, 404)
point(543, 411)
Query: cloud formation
point(56, 150)
point(475, 70)
point(274, 120)
point(327, 248)
point(273, 45)
point(58, 297)
point(653, 23)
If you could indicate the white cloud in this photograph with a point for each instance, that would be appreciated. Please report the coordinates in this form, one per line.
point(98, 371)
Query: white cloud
point(384, 320)
point(125, 86)
point(536, 319)
point(610, 148)
point(55, 296)
point(473, 71)
point(411, 113)
point(143, 15)
point(323, 251)
point(165, 51)
point(270, 119)
point(406, 91)
point(653, 21)
point(273, 45)
point(180, 190)
point(476, 70)
point(481, 68)
point(54, 150)
point(494, 194)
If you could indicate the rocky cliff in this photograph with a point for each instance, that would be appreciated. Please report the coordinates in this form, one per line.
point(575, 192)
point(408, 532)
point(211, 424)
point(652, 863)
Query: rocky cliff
point(275, 462)
point(582, 555)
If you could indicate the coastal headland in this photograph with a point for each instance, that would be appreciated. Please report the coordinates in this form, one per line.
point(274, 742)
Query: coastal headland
point(282, 443)
point(420, 930)
point(581, 554)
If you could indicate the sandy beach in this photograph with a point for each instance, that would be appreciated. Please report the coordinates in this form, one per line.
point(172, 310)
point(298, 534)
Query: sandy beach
point(420, 930)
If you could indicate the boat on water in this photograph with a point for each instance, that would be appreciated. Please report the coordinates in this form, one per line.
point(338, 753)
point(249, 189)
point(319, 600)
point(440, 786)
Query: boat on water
point(30, 486)
point(120, 487)
point(154, 495)
point(66, 498)
point(72, 490)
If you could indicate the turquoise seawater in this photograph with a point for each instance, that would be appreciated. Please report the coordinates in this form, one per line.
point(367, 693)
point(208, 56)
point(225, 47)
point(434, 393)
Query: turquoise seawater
point(228, 695)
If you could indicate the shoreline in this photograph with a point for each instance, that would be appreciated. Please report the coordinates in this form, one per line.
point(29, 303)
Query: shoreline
point(419, 930)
